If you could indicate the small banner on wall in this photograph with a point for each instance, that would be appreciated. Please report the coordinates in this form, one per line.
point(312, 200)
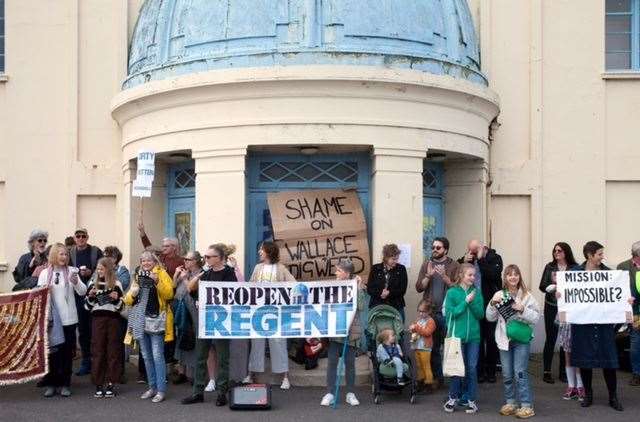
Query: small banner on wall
point(315, 229)
point(23, 335)
point(594, 297)
point(279, 310)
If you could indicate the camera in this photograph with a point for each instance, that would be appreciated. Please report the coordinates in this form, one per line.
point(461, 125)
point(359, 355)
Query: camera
point(144, 279)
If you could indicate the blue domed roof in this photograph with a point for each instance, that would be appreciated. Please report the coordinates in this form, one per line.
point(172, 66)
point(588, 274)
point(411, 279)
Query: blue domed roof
point(177, 37)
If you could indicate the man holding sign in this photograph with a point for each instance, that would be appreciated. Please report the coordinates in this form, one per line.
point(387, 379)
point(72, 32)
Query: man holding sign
point(594, 299)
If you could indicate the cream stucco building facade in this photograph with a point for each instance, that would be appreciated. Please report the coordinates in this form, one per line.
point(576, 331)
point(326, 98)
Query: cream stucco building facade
point(534, 146)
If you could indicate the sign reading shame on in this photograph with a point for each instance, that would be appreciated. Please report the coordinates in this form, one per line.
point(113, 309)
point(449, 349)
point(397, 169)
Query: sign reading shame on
point(594, 297)
point(316, 229)
point(256, 310)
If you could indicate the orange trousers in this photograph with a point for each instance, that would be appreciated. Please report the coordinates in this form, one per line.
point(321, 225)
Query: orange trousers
point(423, 362)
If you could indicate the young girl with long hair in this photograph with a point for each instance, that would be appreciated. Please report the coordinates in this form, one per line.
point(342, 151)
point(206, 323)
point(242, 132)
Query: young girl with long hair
point(104, 301)
point(464, 308)
point(513, 336)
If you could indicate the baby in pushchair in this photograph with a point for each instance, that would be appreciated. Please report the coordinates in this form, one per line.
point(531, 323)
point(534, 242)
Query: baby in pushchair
point(386, 337)
point(390, 353)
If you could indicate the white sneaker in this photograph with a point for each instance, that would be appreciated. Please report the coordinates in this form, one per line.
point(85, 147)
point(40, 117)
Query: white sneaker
point(247, 380)
point(211, 386)
point(327, 400)
point(285, 384)
point(352, 399)
point(158, 397)
point(148, 394)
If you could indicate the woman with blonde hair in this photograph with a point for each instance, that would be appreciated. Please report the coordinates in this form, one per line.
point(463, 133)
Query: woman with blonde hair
point(151, 320)
point(516, 311)
point(63, 282)
point(464, 308)
point(104, 301)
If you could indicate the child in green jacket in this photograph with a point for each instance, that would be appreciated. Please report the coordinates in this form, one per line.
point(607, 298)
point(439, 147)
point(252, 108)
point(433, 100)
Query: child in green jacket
point(464, 308)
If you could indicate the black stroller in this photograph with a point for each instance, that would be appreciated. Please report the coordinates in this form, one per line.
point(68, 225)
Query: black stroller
point(384, 377)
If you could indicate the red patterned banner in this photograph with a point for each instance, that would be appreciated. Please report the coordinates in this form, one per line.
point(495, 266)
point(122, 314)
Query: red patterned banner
point(23, 335)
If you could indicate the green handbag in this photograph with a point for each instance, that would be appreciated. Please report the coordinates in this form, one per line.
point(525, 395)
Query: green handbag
point(518, 331)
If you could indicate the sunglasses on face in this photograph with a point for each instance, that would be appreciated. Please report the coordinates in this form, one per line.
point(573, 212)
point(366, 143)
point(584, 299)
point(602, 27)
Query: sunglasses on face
point(41, 240)
point(436, 248)
point(81, 236)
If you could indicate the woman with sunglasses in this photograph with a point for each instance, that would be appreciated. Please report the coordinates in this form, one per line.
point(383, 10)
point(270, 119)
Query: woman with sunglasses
point(193, 262)
point(562, 260)
point(28, 262)
point(63, 282)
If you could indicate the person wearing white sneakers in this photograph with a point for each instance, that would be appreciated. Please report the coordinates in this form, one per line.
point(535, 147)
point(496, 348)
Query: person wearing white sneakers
point(344, 271)
point(270, 270)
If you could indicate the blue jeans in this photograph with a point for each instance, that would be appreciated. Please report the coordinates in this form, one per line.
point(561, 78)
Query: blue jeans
point(635, 351)
point(466, 388)
point(152, 348)
point(516, 377)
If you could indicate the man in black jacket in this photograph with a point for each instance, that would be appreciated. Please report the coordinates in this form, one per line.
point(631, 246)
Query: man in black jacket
point(489, 281)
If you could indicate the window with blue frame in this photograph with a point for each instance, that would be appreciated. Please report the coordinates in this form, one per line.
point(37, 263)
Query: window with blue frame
point(1, 36)
point(622, 35)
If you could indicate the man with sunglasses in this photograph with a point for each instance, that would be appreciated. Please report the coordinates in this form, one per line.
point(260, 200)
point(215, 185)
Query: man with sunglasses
point(436, 275)
point(36, 256)
point(85, 257)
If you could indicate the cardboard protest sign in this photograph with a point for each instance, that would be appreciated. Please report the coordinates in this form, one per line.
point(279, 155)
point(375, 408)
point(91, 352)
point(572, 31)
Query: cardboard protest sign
point(279, 310)
point(315, 229)
point(594, 297)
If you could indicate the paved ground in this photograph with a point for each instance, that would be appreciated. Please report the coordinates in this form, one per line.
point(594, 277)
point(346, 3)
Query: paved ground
point(25, 403)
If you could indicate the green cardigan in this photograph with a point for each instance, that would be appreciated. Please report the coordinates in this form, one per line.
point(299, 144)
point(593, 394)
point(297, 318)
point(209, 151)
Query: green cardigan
point(461, 317)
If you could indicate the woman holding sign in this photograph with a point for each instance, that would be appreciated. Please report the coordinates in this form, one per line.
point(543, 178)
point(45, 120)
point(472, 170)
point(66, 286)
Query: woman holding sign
point(270, 270)
point(594, 345)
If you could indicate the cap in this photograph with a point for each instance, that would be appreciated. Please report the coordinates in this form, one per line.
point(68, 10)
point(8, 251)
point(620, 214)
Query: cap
point(81, 230)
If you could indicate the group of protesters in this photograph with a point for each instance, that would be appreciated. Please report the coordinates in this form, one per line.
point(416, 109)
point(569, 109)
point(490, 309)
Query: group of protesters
point(98, 304)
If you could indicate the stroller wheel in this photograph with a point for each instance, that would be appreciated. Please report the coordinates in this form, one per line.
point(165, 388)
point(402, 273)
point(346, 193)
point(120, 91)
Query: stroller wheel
point(412, 400)
point(376, 399)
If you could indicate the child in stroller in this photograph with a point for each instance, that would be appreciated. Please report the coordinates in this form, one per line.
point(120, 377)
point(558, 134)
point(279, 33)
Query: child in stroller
point(392, 368)
point(390, 353)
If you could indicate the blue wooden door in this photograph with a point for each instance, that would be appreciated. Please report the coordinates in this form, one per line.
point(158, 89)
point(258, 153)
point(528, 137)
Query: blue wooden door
point(433, 204)
point(275, 173)
point(181, 216)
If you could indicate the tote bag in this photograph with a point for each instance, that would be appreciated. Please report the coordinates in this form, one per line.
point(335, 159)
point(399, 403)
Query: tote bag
point(452, 361)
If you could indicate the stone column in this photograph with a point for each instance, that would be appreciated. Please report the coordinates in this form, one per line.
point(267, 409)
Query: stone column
point(397, 208)
point(221, 199)
point(466, 203)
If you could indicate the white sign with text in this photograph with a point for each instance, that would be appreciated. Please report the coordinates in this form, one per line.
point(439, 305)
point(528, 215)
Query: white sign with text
point(594, 297)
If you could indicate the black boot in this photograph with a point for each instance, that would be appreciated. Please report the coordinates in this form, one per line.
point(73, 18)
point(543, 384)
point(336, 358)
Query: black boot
point(221, 400)
point(548, 378)
point(194, 398)
point(588, 399)
point(615, 404)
